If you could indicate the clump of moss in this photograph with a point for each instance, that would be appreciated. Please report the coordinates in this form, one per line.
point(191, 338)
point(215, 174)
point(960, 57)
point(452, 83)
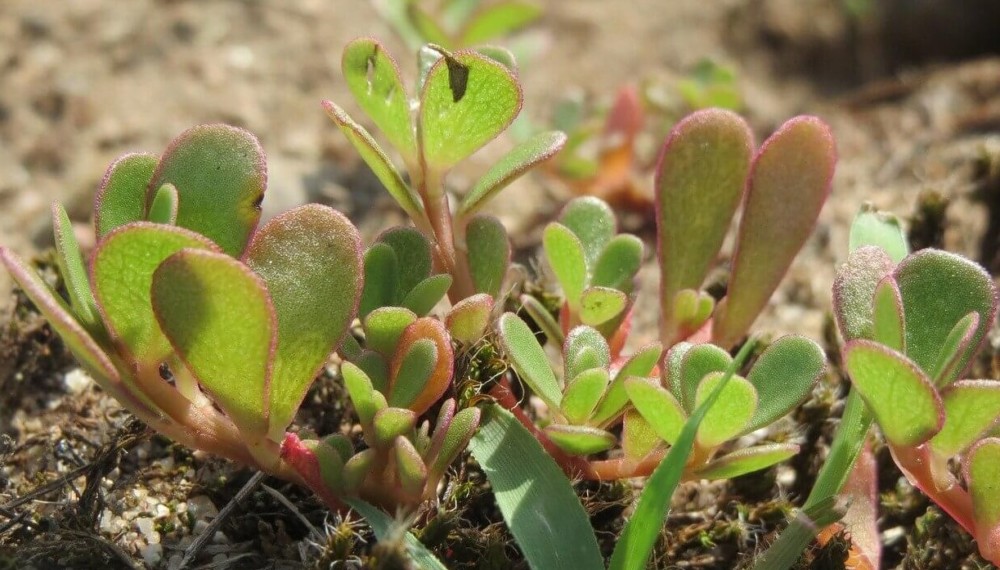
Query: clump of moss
point(935, 541)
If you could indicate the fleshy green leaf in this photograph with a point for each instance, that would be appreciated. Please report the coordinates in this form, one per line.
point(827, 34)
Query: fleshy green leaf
point(498, 20)
point(599, 305)
point(373, 78)
point(391, 423)
point(783, 376)
point(529, 360)
point(488, 254)
point(730, 414)
point(384, 326)
point(897, 391)
point(331, 466)
point(219, 317)
point(882, 229)
point(419, 331)
point(543, 319)
point(567, 257)
point(640, 364)
point(938, 290)
point(122, 274)
point(953, 348)
point(638, 437)
point(74, 272)
point(580, 440)
point(410, 468)
point(593, 222)
point(450, 442)
point(584, 348)
point(376, 367)
point(163, 209)
point(981, 468)
point(583, 393)
point(416, 366)
point(510, 167)
point(122, 197)
point(468, 319)
point(788, 185)
point(310, 260)
point(426, 294)
point(971, 408)
point(699, 182)
point(888, 321)
point(618, 263)
point(413, 256)
point(362, 393)
point(376, 159)
point(220, 174)
point(532, 493)
point(748, 460)
point(381, 283)
point(698, 362)
point(467, 100)
point(854, 291)
point(356, 469)
point(658, 407)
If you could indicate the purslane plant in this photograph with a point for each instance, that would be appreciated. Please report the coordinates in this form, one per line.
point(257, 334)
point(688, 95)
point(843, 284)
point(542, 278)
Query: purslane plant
point(202, 325)
point(466, 99)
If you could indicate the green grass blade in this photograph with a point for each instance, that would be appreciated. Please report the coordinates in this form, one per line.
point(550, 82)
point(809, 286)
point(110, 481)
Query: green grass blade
point(536, 499)
point(635, 545)
point(386, 528)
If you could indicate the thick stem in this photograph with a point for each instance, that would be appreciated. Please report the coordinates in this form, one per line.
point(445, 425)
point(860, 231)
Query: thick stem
point(930, 474)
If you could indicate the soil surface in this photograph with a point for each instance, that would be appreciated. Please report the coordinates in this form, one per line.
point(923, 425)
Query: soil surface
point(911, 90)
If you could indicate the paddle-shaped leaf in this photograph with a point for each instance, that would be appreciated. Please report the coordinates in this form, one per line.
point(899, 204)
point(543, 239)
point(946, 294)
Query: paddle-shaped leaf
point(163, 208)
point(426, 294)
point(599, 305)
point(122, 197)
point(413, 256)
point(582, 394)
point(381, 281)
point(658, 407)
point(310, 260)
point(584, 348)
point(854, 290)
point(122, 274)
point(450, 440)
point(888, 321)
point(699, 181)
point(567, 257)
point(882, 229)
point(220, 174)
point(373, 78)
point(488, 254)
point(618, 263)
point(219, 317)
point(730, 414)
point(897, 391)
point(938, 290)
point(788, 185)
point(384, 326)
point(529, 360)
point(783, 377)
point(410, 467)
point(593, 222)
point(74, 272)
point(420, 330)
point(981, 468)
point(416, 366)
point(639, 364)
point(580, 440)
point(748, 460)
point(359, 386)
point(376, 159)
point(468, 319)
point(971, 408)
point(390, 423)
point(467, 100)
point(638, 437)
point(510, 167)
point(696, 363)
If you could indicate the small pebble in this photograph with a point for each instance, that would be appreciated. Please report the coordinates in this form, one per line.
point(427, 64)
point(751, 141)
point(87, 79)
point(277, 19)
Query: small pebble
point(152, 554)
point(77, 381)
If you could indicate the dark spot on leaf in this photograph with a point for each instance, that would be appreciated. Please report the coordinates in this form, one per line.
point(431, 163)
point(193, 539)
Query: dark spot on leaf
point(458, 78)
point(258, 202)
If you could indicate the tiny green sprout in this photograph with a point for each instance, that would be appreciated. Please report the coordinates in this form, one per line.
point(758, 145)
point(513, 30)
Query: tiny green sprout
point(708, 168)
point(596, 269)
point(466, 99)
point(912, 327)
point(404, 368)
point(204, 326)
point(595, 394)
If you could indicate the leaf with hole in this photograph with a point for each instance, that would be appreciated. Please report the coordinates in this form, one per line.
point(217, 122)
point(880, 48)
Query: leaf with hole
point(373, 78)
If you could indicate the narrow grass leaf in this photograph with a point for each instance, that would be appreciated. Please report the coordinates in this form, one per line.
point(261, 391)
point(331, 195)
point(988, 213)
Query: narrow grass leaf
point(897, 391)
point(220, 174)
point(540, 506)
point(310, 260)
point(699, 181)
point(789, 182)
point(121, 198)
point(981, 468)
point(387, 529)
point(498, 20)
point(220, 320)
point(510, 167)
point(543, 319)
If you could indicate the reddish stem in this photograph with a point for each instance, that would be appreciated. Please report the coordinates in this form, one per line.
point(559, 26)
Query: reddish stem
point(931, 475)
